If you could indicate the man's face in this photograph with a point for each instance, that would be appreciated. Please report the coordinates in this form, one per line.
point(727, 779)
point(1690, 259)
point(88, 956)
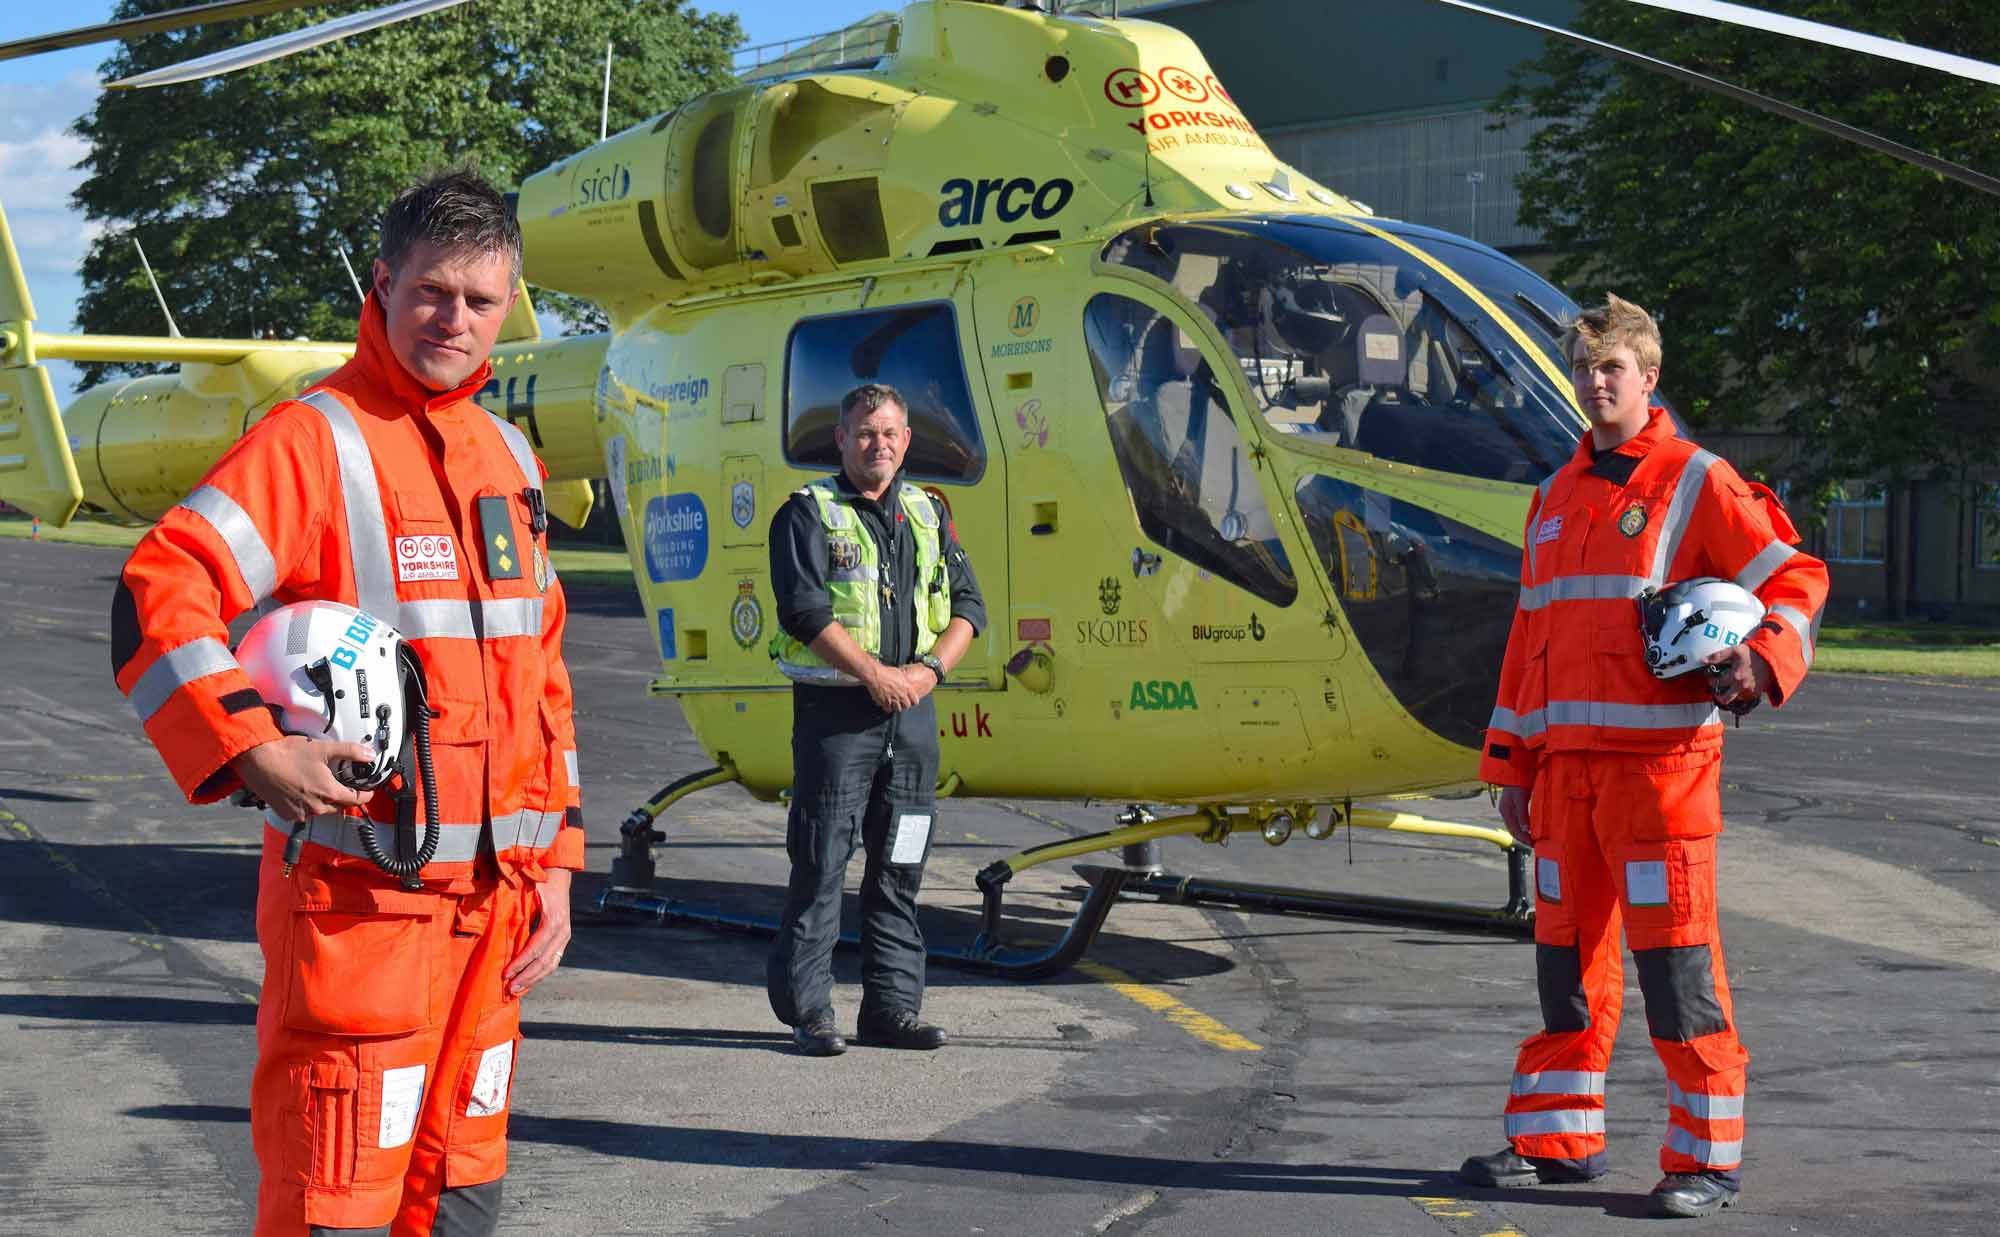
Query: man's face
point(872, 446)
point(1613, 390)
point(444, 310)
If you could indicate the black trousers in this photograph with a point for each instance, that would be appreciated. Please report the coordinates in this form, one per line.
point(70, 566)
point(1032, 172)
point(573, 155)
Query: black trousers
point(859, 776)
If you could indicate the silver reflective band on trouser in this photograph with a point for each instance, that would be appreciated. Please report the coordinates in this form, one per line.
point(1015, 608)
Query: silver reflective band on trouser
point(1707, 1107)
point(1680, 513)
point(239, 532)
point(361, 495)
point(458, 843)
point(452, 619)
point(1558, 1121)
point(1759, 569)
point(1582, 588)
point(1702, 1151)
point(1800, 624)
point(817, 676)
point(176, 668)
point(1559, 1082)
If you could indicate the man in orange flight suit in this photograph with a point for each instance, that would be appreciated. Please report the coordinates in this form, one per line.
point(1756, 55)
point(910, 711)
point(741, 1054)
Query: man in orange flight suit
point(389, 1018)
point(1613, 775)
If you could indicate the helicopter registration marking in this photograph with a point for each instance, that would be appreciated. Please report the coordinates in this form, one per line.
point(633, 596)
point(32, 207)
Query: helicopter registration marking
point(1193, 1021)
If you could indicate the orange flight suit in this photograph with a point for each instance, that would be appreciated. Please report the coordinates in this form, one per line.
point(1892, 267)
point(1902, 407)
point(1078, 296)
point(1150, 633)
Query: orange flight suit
point(385, 1041)
point(1624, 768)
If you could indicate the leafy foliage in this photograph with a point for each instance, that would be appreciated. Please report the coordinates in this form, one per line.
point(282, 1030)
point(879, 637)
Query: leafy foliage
point(1801, 281)
point(242, 187)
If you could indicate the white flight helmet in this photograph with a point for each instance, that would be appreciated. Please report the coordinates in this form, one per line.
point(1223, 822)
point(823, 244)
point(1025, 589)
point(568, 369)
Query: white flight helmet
point(330, 671)
point(1683, 624)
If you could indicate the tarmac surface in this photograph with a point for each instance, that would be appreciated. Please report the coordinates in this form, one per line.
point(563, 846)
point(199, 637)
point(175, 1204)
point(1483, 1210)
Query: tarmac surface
point(1204, 1071)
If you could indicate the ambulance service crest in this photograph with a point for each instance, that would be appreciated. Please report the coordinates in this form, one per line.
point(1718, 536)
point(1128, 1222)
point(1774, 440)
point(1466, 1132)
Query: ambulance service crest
point(1633, 522)
point(844, 553)
point(746, 617)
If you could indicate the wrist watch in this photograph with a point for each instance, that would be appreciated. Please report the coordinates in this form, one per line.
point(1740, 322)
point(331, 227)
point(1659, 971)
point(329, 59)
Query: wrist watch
point(930, 662)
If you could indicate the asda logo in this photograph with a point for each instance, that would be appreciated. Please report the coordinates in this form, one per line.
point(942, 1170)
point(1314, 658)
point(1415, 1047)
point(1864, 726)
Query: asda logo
point(1162, 694)
point(966, 201)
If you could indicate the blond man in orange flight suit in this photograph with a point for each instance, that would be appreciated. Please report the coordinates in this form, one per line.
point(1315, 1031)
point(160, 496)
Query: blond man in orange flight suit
point(1613, 775)
point(389, 1018)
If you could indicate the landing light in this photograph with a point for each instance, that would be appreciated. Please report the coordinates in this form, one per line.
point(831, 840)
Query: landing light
point(1277, 828)
point(1320, 830)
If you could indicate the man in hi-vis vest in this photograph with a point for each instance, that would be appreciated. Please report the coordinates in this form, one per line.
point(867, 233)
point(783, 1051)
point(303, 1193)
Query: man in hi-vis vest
point(876, 602)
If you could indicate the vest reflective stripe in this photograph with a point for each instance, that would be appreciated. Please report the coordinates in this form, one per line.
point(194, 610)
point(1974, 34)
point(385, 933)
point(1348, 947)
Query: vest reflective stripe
point(517, 444)
point(1806, 628)
point(1759, 569)
point(1520, 725)
point(361, 494)
point(175, 669)
point(1703, 1151)
point(1680, 514)
point(457, 843)
point(449, 618)
point(1559, 1082)
point(1582, 588)
point(1706, 1107)
point(239, 532)
point(1556, 1121)
point(863, 573)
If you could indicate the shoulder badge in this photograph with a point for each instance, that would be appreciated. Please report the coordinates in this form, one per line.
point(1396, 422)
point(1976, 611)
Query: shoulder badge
point(1633, 522)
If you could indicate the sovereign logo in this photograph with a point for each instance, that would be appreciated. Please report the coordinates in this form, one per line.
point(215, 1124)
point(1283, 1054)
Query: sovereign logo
point(1161, 695)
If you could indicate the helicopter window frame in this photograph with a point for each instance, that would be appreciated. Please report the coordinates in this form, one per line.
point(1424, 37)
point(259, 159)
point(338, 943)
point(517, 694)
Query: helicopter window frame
point(931, 412)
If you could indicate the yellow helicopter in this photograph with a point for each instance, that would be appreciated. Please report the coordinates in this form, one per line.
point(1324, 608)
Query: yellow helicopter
point(1242, 467)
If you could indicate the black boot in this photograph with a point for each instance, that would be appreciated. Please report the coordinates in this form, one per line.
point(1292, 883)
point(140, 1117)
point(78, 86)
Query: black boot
point(1507, 1168)
point(819, 1036)
point(1688, 1195)
point(899, 1028)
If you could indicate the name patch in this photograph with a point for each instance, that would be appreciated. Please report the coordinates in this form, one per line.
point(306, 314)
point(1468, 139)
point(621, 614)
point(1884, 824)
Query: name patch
point(426, 558)
point(1551, 529)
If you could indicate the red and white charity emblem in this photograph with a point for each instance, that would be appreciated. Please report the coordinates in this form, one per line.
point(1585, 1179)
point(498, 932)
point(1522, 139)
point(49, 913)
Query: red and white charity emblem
point(426, 558)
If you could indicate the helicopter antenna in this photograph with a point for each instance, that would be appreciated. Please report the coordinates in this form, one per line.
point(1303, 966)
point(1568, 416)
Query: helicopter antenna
point(359, 295)
point(604, 113)
point(173, 329)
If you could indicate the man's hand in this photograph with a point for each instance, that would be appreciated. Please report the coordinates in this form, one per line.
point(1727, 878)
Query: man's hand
point(920, 679)
point(294, 777)
point(1743, 680)
point(543, 953)
point(890, 688)
point(1514, 812)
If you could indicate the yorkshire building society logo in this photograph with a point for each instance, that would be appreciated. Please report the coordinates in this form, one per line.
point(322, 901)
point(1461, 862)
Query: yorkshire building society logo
point(1107, 595)
point(742, 504)
point(746, 617)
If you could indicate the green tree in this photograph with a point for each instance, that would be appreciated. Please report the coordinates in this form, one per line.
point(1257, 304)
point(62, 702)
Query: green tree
point(243, 188)
point(1801, 281)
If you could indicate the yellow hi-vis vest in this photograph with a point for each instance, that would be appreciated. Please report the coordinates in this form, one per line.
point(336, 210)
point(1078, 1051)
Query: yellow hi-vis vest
point(854, 583)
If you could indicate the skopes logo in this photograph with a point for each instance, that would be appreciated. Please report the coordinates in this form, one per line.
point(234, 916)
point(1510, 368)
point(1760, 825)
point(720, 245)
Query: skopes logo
point(353, 640)
point(676, 533)
point(1112, 633)
point(965, 201)
point(598, 184)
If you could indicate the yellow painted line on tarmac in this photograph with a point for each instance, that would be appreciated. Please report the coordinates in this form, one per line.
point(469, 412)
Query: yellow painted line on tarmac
point(1193, 1021)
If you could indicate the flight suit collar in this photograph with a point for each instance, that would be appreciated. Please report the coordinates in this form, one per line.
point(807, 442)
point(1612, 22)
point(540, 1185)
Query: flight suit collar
point(1616, 465)
point(1659, 428)
point(373, 354)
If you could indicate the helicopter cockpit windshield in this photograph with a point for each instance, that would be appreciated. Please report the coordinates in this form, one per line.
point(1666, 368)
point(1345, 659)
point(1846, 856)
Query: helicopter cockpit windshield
point(1343, 334)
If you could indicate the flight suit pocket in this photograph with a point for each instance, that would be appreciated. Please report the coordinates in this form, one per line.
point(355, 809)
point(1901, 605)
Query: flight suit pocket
point(330, 1089)
point(477, 1147)
point(366, 965)
point(1669, 893)
point(1670, 798)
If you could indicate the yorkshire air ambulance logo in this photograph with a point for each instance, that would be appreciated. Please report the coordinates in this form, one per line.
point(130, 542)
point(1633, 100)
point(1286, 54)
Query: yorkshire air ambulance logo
point(746, 617)
point(742, 504)
point(1633, 522)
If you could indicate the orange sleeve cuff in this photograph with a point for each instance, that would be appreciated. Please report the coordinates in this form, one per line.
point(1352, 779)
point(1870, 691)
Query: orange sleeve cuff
point(567, 850)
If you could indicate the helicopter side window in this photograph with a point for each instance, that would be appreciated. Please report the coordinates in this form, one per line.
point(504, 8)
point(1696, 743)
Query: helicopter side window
point(913, 348)
point(1192, 482)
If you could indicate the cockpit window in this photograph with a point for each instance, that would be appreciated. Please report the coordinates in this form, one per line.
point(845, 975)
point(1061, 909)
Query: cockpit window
point(1345, 335)
point(1192, 481)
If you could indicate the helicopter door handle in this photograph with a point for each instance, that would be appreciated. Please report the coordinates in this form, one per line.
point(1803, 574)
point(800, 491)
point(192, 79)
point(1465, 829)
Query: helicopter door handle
point(1044, 520)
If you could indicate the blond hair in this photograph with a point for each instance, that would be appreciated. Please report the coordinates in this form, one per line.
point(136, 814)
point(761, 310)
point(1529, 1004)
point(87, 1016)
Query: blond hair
point(1617, 321)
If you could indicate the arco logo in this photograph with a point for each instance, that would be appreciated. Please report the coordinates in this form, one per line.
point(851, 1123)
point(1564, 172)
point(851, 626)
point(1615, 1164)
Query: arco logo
point(966, 201)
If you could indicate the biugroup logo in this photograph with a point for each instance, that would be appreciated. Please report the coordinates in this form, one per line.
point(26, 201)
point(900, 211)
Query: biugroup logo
point(965, 200)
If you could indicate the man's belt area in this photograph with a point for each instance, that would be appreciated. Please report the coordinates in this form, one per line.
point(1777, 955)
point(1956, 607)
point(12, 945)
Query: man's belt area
point(817, 676)
point(528, 827)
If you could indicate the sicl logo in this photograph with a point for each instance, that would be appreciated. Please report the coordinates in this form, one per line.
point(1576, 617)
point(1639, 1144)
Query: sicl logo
point(596, 185)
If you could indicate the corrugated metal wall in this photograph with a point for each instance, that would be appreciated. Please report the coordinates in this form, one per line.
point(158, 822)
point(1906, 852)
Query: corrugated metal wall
point(1417, 169)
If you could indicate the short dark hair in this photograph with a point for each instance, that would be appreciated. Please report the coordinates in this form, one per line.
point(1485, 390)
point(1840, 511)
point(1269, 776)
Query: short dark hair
point(869, 396)
point(457, 210)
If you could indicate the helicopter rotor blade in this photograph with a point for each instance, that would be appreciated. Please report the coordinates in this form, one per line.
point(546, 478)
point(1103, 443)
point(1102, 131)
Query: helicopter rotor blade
point(281, 45)
point(1832, 36)
point(155, 23)
point(1825, 124)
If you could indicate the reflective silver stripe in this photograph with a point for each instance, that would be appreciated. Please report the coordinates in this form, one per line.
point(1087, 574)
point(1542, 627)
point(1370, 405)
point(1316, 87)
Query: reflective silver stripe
point(1707, 1107)
point(1680, 513)
point(510, 616)
point(1521, 725)
point(1559, 1082)
point(527, 827)
point(1631, 716)
point(176, 668)
point(361, 494)
point(239, 532)
point(1800, 624)
point(1559, 1121)
point(1759, 569)
point(457, 843)
point(569, 766)
point(865, 571)
point(1582, 588)
point(1701, 1150)
point(817, 676)
point(517, 443)
point(451, 619)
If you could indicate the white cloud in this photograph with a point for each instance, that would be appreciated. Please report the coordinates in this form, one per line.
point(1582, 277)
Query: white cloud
point(38, 172)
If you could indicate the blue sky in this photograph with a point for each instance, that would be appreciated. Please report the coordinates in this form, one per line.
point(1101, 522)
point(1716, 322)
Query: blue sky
point(40, 96)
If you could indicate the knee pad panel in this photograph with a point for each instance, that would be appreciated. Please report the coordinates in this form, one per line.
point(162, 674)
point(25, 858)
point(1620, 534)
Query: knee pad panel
point(1559, 981)
point(1679, 985)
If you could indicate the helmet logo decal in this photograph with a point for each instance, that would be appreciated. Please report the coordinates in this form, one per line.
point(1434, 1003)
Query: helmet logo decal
point(1633, 522)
